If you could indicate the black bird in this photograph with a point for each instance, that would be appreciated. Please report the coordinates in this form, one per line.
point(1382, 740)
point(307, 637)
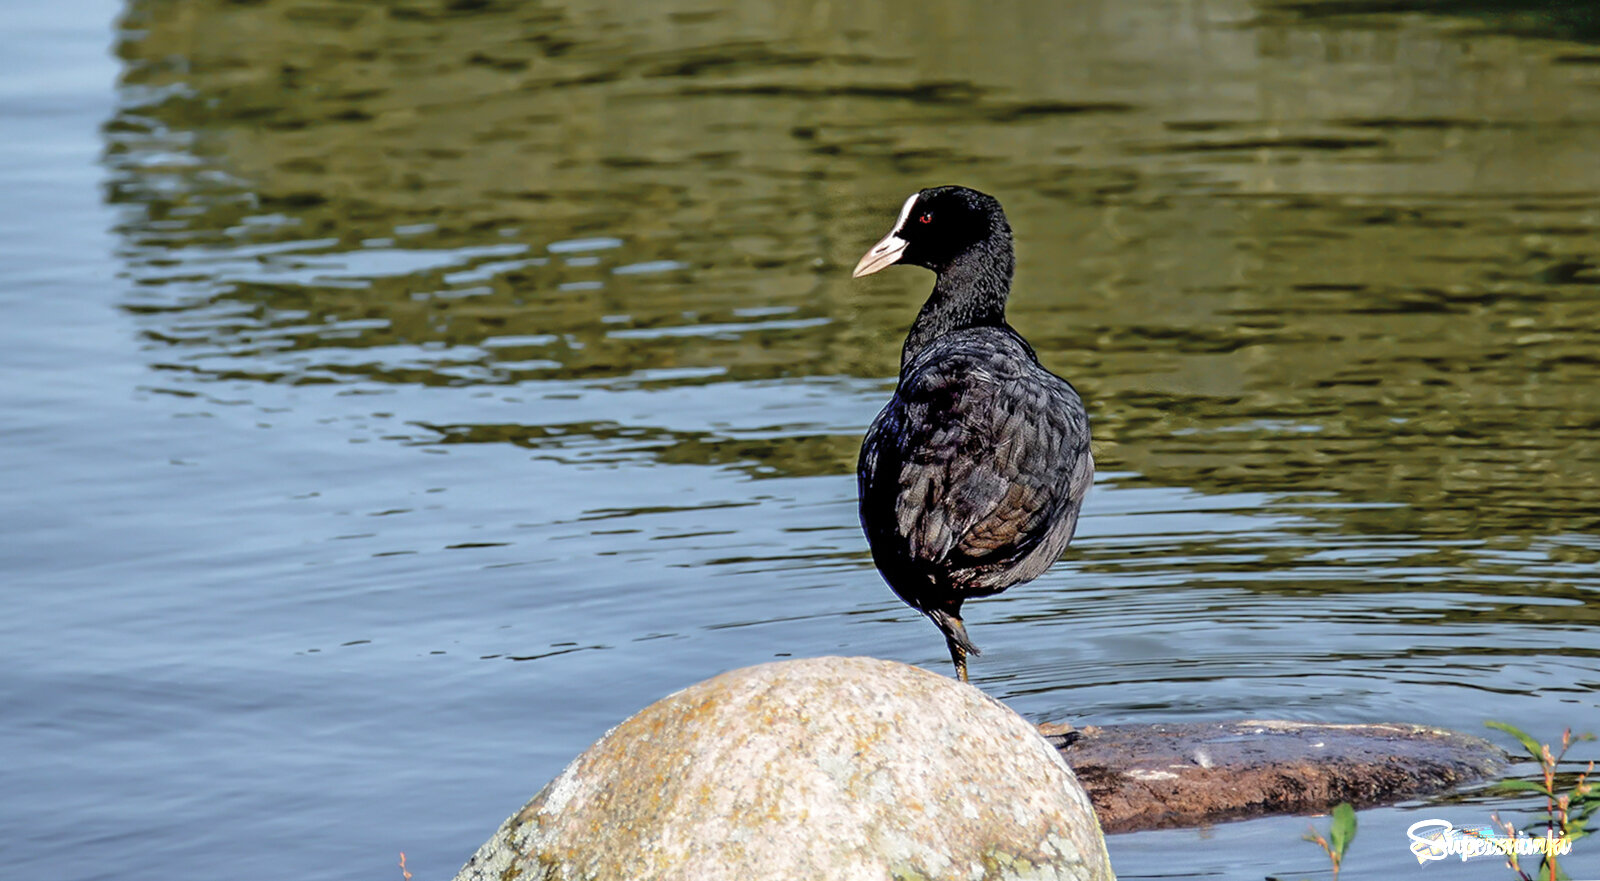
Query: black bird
point(972, 476)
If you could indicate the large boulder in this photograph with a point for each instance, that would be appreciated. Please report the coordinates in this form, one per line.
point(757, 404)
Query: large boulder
point(826, 768)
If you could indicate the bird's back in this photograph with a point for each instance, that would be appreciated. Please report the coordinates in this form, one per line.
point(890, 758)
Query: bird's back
point(972, 476)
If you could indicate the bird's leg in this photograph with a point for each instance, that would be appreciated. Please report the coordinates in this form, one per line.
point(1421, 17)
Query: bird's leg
point(959, 655)
point(955, 636)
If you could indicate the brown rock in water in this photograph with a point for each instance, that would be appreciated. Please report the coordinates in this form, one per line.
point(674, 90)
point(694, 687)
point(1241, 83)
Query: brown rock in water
point(827, 768)
point(1161, 776)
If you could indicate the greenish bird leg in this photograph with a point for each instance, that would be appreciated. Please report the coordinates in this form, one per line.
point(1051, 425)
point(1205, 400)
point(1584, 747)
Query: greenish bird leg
point(955, 636)
point(959, 655)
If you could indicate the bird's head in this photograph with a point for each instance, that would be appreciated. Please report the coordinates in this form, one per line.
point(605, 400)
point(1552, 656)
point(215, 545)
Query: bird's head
point(936, 227)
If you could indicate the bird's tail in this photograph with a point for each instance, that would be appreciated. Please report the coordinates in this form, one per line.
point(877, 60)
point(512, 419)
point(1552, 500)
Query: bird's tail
point(954, 630)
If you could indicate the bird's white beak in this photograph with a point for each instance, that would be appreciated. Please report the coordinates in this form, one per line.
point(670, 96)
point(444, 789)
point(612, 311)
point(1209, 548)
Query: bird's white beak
point(884, 253)
point(887, 251)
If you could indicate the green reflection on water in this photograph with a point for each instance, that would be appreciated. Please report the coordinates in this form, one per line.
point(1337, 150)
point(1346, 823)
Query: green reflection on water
point(1277, 250)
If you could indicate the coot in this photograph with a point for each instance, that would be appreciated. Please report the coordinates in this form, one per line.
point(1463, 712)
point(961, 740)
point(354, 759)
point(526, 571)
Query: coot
point(972, 477)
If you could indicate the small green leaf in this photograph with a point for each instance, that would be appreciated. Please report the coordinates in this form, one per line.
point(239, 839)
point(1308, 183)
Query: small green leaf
point(1343, 830)
point(1534, 747)
point(1523, 786)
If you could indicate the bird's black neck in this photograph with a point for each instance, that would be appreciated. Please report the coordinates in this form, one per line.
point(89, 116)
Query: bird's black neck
point(970, 292)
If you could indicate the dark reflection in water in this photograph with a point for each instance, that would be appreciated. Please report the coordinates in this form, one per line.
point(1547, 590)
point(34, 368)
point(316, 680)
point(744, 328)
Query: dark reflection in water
point(1326, 273)
point(1550, 19)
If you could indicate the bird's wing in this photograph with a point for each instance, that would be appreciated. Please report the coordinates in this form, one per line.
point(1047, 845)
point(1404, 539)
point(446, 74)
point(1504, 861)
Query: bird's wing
point(988, 464)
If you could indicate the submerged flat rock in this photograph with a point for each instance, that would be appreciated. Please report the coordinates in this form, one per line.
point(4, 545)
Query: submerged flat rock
point(1162, 776)
point(824, 768)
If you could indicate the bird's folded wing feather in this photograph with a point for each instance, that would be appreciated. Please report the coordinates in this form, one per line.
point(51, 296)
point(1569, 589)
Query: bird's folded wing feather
point(986, 462)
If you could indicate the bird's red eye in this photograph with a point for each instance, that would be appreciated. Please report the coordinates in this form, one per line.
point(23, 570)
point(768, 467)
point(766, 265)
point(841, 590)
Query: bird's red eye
point(926, 218)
